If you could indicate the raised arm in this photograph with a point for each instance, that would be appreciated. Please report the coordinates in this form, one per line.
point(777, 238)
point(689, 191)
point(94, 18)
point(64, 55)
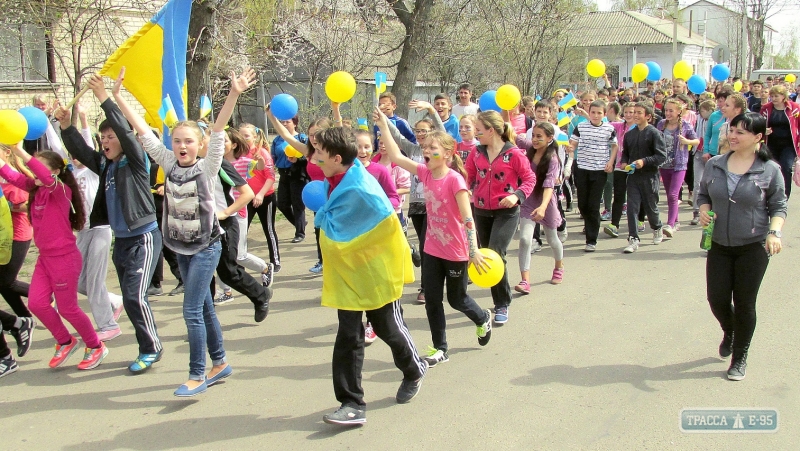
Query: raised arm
point(76, 144)
point(391, 146)
point(136, 120)
point(216, 146)
point(337, 114)
point(284, 133)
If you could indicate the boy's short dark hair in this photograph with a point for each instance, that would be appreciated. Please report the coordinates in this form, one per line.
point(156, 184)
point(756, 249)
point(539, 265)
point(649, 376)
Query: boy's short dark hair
point(648, 109)
point(388, 95)
point(541, 104)
point(466, 86)
point(757, 82)
point(443, 96)
point(598, 104)
point(769, 78)
point(602, 92)
point(105, 125)
point(616, 107)
point(339, 141)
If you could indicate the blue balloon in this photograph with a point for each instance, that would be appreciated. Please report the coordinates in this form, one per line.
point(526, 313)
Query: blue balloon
point(720, 72)
point(696, 84)
point(654, 73)
point(37, 122)
point(284, 107)
point(487, 102)
point(314, 195)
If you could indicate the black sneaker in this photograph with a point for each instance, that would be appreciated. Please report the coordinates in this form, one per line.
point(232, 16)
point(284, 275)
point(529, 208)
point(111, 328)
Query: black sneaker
point(262, 310)
point(738, 367)
point(266, 277)
point(346, 416)
point(298, 239)
point(155, 291)
point(177, 290)
point(24, 335)
point(8, 365)
point(726, 347)
point(485, 330)
point(416, 258)
point(409, 389)
point(277, 268)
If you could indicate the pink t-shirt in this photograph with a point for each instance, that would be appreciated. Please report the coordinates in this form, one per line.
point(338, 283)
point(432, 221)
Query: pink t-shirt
point(518, 122)
point(446, 237)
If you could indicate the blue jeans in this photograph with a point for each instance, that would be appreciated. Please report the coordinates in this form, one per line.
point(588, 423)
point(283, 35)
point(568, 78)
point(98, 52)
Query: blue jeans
point(198, 309)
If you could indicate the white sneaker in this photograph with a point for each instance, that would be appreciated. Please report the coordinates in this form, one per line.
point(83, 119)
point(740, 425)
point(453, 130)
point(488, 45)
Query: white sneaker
point(668, 231)
point(633, 244)
point(658, 235)
point(436, 356)
point(536, 247)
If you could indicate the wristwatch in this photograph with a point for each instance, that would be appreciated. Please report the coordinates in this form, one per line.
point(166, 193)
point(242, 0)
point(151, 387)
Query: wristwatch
point(777, 233)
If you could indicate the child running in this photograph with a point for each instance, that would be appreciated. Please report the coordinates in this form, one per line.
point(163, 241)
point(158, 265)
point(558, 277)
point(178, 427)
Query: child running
point(56, 210)
point(368, 261)
point(542, 206)
point(452, 243)
point(502, 180)
point(191, 228)
point(11, 289)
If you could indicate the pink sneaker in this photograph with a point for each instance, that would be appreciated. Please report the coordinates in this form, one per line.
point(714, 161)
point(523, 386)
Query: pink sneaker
point(107, 335)
point(369, 334)
point(523, 287)
point(558, 276)
point(63, 352)
point(118, 311)
point(93, 357)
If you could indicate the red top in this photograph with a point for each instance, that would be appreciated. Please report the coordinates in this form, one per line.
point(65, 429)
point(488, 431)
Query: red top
point(260, 177)
point(16, 197)
point(509, 173)
point(792, 111)
point(314, 171)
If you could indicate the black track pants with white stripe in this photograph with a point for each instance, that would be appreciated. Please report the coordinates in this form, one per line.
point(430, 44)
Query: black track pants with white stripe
point(348, 351)
point(135, 261)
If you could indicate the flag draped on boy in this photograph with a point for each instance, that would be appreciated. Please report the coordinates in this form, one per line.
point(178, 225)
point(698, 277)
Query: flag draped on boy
point(155, 62)
point(367, 258)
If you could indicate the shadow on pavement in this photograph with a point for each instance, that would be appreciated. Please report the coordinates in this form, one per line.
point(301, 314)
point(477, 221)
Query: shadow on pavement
point(636, 375)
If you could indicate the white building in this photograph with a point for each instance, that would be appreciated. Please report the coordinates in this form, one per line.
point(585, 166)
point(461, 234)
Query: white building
point(727, 26)
point(623, 38)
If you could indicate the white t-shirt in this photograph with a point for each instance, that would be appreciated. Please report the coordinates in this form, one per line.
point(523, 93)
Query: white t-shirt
point(460, 110)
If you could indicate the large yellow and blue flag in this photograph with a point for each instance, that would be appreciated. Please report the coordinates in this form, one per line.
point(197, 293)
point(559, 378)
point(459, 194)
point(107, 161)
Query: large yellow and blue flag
point(155, 62)
point(367, 257)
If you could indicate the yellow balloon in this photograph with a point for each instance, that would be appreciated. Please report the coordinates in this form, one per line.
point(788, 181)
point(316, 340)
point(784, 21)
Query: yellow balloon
point(291, 152)
point(596, 68)
point(340, 87)
point(493, 275)
point(507, 97)
point(737, 86)
point(639, 72)
point(13, 127)
point(791, 78)
point(682, 70)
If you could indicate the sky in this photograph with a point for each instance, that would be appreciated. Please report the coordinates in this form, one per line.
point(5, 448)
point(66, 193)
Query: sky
point(782, 22)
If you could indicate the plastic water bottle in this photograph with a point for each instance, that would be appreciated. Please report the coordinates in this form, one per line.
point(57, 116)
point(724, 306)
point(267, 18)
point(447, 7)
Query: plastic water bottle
point(708, 232)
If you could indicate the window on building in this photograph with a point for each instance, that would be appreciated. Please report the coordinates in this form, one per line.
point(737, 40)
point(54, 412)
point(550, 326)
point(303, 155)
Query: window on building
point(701, 28)
point(25, 54)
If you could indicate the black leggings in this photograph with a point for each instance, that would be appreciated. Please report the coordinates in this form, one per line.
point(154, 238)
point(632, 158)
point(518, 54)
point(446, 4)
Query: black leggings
point(421, 227)
point(7, 321)
point(453, 275)
point(12, 289)
point(733, 277)
point(266, 214)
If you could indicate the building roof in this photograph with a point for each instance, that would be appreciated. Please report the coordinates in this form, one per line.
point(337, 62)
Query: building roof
point(613, 28)
point(727, 11)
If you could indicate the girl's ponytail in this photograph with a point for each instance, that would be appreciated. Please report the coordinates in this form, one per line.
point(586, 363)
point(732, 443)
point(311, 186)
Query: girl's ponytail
point(508, 135)
point(458, 165)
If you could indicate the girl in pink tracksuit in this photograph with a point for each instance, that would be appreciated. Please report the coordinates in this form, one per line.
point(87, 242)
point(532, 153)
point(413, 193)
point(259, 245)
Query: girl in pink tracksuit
point(502, 179)
point(56, 210)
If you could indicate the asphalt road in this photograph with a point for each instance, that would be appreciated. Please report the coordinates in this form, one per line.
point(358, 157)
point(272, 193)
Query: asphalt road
point(605, 361)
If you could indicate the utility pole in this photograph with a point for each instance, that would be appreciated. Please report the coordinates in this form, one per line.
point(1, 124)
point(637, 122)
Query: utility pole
point(675, 34)
point(745, 57)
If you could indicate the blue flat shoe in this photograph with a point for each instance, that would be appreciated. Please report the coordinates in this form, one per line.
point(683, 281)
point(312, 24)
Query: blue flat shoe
point(219, 376)
point(184, 392)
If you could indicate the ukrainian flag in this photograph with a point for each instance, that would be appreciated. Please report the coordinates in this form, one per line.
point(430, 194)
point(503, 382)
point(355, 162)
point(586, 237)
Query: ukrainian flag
point(205, 106)
point(367, 257)
point(563, 119)
point(155, 62)
point(568, 101)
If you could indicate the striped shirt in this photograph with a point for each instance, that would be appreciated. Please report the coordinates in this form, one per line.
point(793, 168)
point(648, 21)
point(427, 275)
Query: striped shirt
point(594, 142)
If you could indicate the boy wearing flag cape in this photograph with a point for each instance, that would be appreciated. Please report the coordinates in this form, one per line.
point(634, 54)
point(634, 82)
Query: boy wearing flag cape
point(363, 244)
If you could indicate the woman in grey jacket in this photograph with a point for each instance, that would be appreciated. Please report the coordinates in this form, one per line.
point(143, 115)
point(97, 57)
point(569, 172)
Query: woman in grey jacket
point(746, 191)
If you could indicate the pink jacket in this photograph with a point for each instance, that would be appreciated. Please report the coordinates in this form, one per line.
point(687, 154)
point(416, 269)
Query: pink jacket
point(52, 231)
point(792, 111)
point(509, 173)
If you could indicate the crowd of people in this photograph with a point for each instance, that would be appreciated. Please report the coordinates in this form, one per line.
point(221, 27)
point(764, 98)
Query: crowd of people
point(473, 180)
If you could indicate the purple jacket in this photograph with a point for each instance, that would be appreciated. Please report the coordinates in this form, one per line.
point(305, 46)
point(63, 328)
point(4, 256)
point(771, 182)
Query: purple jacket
point(677, 154)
